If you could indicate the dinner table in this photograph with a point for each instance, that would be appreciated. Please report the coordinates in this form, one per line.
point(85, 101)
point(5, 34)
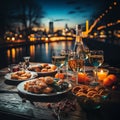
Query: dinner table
point(15, 106)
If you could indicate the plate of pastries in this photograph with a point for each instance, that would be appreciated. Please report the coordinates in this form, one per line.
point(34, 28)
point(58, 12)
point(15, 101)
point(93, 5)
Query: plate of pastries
point(21, 75)
point(43, 69)
point(44, 87)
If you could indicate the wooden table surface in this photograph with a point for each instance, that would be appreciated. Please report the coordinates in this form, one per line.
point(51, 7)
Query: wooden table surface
point(12, 106)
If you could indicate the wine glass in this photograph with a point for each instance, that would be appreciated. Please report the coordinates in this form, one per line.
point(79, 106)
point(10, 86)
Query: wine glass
point(84, 56)
point(58, 60)
point(26, 61)
point(96, 59)
point(75, 64)
point(65, 52)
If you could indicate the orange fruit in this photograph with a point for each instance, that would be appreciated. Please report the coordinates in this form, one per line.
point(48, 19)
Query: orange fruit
point(82, 77)
point(112, 77)
point(109, 80)
point(59, 75)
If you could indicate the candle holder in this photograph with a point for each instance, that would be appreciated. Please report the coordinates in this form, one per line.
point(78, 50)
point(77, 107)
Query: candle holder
point(101, 73)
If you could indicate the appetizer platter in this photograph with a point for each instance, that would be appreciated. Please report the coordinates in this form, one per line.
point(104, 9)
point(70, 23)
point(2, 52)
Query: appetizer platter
point(44, 88)
point(43, 69)
point(20, 76)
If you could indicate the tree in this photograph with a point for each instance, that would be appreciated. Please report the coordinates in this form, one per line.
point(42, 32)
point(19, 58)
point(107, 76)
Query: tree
point(5, 17)
point(25, 12)
point(29, 14)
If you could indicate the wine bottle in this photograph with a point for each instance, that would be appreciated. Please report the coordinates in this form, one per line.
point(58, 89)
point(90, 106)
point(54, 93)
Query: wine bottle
point(78, 47)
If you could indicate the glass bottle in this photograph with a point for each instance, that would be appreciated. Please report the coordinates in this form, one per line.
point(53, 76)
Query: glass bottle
point(79, 48)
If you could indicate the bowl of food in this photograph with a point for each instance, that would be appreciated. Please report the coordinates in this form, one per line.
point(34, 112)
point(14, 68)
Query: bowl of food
point(43, 69)
point(90, 97)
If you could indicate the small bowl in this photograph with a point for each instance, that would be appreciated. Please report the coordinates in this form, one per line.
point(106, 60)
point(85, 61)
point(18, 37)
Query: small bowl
point(90, 97)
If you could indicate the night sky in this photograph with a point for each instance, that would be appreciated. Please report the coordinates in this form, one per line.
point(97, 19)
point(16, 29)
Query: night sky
point(71, 12)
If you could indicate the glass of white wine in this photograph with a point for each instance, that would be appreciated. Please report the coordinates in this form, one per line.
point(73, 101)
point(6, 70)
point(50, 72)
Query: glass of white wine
point(96, 59)
point(65, 52)
point(84, 56)
point(75, 64)
point(58, 60)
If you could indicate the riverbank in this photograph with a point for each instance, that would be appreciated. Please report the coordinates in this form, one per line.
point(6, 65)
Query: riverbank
point(20, 43)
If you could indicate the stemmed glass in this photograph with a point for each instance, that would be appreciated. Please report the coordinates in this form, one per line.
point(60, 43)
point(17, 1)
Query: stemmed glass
point(96, 59)
point(84, 56)
point(75, 64)
point(65, 52)
point(58, 60)
point(26, 61)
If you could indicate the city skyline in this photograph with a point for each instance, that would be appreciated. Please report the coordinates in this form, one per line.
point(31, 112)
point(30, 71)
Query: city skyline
point(70, 12)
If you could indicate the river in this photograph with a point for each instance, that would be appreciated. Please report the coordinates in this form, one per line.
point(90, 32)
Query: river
point(38, 53)
point(42, 52)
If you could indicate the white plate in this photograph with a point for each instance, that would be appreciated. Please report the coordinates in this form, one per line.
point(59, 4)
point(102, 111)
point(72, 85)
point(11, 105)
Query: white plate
point(8, 76)
point(50, 73)
point(56, 96)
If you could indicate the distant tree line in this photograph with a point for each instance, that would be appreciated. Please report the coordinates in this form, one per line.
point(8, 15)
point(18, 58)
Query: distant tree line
point(13, 13)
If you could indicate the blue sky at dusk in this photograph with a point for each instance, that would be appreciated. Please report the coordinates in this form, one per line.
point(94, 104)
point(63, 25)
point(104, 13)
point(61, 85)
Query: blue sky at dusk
point(71, 12)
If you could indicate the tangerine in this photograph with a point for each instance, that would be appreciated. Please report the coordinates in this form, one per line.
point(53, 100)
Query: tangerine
point(82, 77)
point(59, 75)
point(112, 77)
point(109, 80)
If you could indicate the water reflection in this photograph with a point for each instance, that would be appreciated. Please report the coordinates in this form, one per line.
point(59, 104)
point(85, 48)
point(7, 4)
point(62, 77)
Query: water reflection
point(38, 53)
point(32, 51)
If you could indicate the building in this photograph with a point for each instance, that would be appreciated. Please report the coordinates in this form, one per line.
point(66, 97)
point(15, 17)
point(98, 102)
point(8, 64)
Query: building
point(51, 27)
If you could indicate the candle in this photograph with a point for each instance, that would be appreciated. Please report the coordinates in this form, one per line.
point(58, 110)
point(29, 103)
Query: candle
point(102, 74)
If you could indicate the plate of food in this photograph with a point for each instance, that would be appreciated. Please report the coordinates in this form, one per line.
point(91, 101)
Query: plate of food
point(43, 69)
point(90, 97)
point(44, 89)
point(20, 76)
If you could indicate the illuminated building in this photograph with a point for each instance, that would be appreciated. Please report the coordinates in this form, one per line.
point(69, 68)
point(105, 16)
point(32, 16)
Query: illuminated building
point(51, 27)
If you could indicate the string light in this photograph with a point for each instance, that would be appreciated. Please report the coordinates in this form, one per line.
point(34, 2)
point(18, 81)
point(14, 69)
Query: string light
point(108, 25)
point(114, 3)
point(101, 16)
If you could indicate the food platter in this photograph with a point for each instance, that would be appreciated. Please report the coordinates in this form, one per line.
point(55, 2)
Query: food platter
point(55, 96)
point(9, 78)
point(90, 97)
point(43, 69)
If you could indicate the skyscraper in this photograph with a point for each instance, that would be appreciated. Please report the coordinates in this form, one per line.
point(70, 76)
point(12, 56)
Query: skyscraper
point(51, 27)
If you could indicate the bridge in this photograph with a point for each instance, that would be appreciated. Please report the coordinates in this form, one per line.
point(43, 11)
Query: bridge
point(107, 20)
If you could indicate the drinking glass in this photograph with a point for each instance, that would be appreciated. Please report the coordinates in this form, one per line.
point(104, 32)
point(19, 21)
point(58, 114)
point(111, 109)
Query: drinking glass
point(26, 61)
point(75, 64)
point(13, 67)
point(84, 56)
point(58, 60)
point(65, 52)
point(96, 59)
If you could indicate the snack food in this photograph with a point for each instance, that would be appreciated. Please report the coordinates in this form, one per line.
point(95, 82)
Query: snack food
point(45, 85)
point(89, 91)
point(21, 75)
point(44, 67)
